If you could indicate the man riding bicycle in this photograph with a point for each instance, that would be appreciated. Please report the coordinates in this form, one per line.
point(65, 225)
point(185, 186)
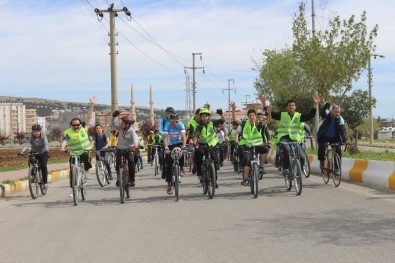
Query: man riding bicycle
point(332, 130)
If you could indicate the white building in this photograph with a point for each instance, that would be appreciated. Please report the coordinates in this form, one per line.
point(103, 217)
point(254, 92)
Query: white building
point(12, 118)
point(43, 123)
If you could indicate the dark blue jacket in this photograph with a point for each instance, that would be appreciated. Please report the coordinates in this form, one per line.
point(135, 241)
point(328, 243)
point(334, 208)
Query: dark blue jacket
point(327, 119)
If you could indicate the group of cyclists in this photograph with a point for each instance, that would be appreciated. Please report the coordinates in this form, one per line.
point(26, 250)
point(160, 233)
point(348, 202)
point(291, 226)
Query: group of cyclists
point(200, 131)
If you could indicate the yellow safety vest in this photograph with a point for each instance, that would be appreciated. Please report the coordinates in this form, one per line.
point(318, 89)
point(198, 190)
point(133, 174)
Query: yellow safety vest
point(79, 141)
point(288, 126)
point(208, 135)
point(251, 135)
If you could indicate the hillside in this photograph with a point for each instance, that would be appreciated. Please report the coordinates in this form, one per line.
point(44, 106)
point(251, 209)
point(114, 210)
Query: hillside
point(45, 106)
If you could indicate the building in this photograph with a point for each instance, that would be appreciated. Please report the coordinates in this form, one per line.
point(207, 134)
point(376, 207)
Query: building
point(31, 118)
point(388, 129)
point(12, 118)
point(43, 124)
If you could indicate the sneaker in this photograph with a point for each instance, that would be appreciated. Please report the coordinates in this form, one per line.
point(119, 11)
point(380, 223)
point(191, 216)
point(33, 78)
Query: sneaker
point(71, 194)
point(322, 165)
point(168, 190)
point(285, 171)
point(245, 182)
point(182, 173)
point(131, 183)
point(336, 171)
point(262, 170)
point(87, 175)
point(276, 163)
point(46, 186)
point(194, 170)
point(110, 177)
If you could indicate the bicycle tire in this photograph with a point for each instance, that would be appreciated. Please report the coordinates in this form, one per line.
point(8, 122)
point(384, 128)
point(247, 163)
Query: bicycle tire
point(107, 175)
point(83, 186)
point(126, 184)
point(337, 177)
point(288, 181)
point(306, 167)
point(327, 167)
point(280, 162)
point(100, 175)
point(176, 181)
point(254, 180)
point(204, 177)
point(190, 162)
point(41, 183)
point(212, 181)
point(74, 183)
point(121, 187)
point(32, 179)
point(156, 164)
point(297, 176)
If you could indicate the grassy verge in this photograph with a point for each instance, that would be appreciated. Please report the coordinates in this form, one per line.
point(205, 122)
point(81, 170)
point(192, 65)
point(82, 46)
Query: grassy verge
point(366, 155)
point(25, 166)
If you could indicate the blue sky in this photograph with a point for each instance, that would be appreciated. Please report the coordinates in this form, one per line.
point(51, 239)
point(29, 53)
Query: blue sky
point(59, 50)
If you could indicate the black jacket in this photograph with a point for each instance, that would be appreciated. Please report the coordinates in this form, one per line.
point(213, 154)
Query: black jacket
point(340, 129)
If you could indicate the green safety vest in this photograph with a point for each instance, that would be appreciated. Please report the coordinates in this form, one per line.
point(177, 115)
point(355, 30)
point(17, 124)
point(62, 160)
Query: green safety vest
point(288, 126)
point(251, 135)
point(208, 135)
point(79, 141)
point(192, 123)
point(156, 140)
point(231, 135)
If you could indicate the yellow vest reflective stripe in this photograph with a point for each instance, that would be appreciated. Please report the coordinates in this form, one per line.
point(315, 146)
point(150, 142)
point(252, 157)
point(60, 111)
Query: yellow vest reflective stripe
point(79, 141)
point(288, 126)
point(208, 135)
point(251, 135)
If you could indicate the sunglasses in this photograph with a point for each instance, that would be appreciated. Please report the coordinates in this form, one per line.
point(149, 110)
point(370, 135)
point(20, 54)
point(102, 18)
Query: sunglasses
point(76, 125)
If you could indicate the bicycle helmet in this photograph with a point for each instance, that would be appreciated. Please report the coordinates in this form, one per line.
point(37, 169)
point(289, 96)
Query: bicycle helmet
point(204, 111)
point(128, 119)
point(170, 109)
point(174, 116)
point(36, 127)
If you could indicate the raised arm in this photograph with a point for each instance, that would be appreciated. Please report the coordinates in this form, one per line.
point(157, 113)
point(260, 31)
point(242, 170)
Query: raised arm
point(92, 103)
point(233, 106)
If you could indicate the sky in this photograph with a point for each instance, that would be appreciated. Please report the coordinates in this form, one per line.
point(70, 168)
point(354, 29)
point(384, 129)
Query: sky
point(58, 49)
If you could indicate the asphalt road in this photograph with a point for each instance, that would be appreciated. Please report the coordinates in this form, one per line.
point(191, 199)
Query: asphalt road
point(325, 224)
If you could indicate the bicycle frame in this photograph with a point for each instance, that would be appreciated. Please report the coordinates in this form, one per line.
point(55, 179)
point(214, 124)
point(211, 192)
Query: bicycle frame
point(254, 170)
point(332, 159)
point(209, 172)
point(35, 177)
point(295, 172)
point(78, 181)
point(123, 176)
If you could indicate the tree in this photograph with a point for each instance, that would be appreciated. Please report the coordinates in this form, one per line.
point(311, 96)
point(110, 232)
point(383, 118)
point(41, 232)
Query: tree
point(3, 137)
point(56, 133)
point(146, 126)
point(20, 136)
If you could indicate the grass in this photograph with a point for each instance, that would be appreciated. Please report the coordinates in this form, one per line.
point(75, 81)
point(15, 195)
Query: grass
point(366, 155)
point(25, 166)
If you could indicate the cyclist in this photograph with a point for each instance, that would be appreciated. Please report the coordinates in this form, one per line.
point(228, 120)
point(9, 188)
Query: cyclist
point(250, 135)
point(164, 120)
point(141, 143)
point(157, 140)
point(191, 125)
point(289, 126)
point(266, 140)
point(221, 141)
point(76, 138)
point(332, 130)
point(38, 143)
point(101, 141)
point(205, 135)
point(174, 136)
point(149, 148)
point(127, 140)
point(232, 135)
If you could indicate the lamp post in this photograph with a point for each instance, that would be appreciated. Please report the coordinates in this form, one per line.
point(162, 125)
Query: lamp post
point(370, 95)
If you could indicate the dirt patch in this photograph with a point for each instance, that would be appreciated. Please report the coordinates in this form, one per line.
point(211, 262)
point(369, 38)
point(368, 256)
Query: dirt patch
point(9, 158)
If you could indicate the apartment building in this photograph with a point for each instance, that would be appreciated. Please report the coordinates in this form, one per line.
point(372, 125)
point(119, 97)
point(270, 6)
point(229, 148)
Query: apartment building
point(12, 118)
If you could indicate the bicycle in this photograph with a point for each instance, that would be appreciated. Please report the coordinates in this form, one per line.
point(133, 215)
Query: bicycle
point(123, 176)
point(78, 180)
point(156, 159)
point(306, 166)
point(332, 164)
point(112, 158)
point(209, 172)
point(175, 178)
point(34, 176)
point(188, 159)
point(102, 174)
point(254, 171)
point(294, 172)
point(236, 167)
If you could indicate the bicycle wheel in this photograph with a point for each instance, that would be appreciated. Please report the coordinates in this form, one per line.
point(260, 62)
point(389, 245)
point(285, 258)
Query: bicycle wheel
point(327, 167)
point(126, 183)
point(297, 176)
point(204, 178)
point(156, 163)
point(176, 180)
point(121, 184)
point(254, 174)
point(41, 183)
point(107, 175)
point(306, 167)
point(101, 177)
point(83, 184)
point(211, 181)
point(74, 183)
point(280, 162)
point(288, 181)
point(33, 184)
point(337, 170)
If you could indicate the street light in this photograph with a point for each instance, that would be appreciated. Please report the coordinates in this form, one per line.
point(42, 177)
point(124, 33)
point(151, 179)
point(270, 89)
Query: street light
point(370, 94)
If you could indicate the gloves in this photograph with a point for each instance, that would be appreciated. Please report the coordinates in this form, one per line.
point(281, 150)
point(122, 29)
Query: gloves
point(219, 111)
point(19, 154)
point(183, 148)
point(167, 149)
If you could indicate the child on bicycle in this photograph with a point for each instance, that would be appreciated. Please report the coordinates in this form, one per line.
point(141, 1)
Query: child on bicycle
point(39, 144)
point(101, 141)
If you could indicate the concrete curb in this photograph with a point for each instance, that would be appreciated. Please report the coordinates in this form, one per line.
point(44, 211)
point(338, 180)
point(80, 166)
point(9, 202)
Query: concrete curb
point(375, 173)
point(19, 186)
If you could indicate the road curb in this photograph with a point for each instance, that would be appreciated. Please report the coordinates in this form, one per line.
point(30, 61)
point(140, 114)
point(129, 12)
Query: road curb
point(19, 186)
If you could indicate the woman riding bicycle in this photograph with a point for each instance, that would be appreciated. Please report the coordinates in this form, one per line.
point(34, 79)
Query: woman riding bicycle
point(39, 144)
point(101, 142)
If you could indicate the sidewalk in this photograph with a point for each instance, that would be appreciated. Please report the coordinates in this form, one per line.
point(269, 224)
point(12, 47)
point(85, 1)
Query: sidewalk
point(18, 174)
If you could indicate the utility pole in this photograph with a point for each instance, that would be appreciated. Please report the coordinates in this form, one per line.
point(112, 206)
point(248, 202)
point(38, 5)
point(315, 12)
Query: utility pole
point(229, 89)
point(247, 97)
point(188, 95)
point(113, 13)
point(317, 116)
point(193, 77)
point(370, 95)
